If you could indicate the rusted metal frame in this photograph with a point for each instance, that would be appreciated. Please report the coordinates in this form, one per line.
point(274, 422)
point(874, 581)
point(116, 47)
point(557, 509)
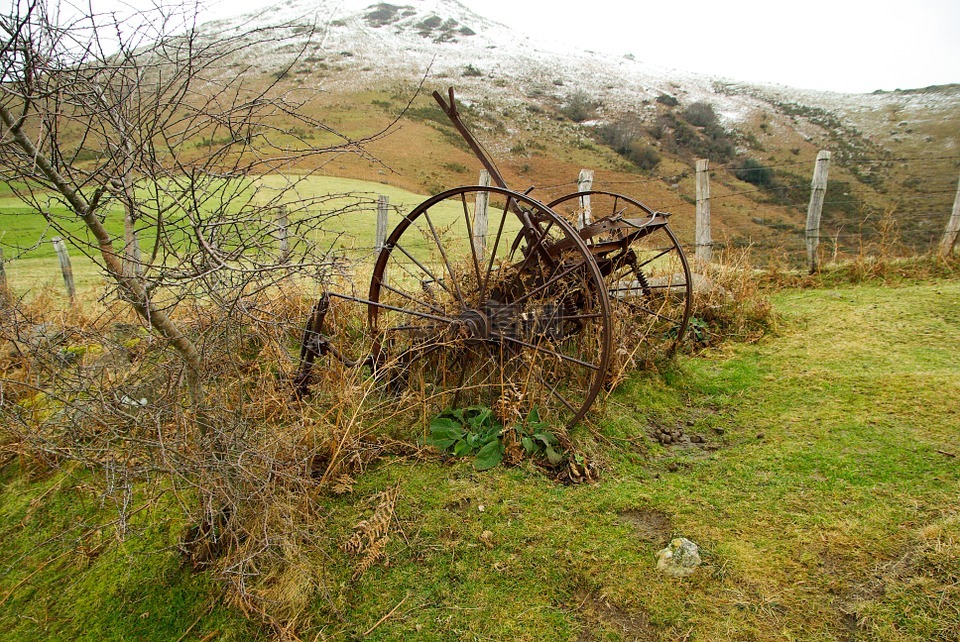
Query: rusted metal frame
point(529, 228)
point(314, 344)
point(450, 109)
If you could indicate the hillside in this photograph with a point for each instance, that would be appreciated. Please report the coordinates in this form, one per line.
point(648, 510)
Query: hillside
point(546, 109)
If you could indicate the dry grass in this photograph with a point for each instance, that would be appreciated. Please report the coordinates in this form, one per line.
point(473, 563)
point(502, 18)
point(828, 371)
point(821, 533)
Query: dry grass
point(728, 298)
point(92, 386)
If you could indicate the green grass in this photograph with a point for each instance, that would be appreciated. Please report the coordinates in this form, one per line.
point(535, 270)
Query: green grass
point(826, 503)
point(353, 231)
point(21, 227)
point(38, 269)
point(67, 575)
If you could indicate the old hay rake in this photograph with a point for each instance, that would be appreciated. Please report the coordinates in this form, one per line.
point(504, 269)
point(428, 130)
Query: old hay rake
point(484, 295)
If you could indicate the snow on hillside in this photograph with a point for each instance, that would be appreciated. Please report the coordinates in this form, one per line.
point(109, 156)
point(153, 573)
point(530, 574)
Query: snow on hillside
point(453, 45)
point(376, 44)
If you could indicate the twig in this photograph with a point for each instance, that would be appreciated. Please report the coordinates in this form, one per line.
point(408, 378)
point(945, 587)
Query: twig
point(199, 617)
point(947, 454)
point(39, 568)
point(385, 617)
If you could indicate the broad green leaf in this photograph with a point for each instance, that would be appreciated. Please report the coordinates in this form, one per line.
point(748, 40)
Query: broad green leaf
point(533, 417)
point(546, 438)
point(452, 413)
point(553, 456)
point(528, 446)
point(480, 419)
point(443, 445)
point(462, 448)
point(444, 432)
point(488, 456)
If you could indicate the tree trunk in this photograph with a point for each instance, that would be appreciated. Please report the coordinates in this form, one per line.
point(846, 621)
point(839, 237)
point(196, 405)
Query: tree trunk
point(132, 288)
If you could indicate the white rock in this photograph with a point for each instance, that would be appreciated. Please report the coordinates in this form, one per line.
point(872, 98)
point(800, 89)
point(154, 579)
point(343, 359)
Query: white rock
point(680, 558)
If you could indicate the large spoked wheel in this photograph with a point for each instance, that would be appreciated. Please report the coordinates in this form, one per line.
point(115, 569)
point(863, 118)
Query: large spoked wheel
point(648, 279)
point(510, 311)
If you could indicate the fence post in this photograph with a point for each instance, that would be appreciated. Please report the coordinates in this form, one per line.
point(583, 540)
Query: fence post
point(704, 241)
point(4, 293)
point(283, 243)
point(585, 184)
point(132, 265)
point(383, 208)
point(953, 228)
point(135, 256)
point(65, 267)
point(481, 215)
point(818, 190)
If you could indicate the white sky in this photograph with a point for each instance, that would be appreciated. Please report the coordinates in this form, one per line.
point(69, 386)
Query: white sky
point(839, 45)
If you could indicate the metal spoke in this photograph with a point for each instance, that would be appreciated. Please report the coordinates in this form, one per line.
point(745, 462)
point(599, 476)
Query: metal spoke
point(384, 306)
point(546, 285)
point(446, 261)
point(410, 298)
point(422, 267)
point(651, 260)
point(538, 348)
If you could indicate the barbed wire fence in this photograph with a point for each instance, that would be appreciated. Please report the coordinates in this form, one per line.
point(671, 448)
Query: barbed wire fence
point(911, 216)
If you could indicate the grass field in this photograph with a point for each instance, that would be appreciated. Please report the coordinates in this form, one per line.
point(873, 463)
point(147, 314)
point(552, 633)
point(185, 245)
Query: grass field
point(38, 269)
point(825, 499)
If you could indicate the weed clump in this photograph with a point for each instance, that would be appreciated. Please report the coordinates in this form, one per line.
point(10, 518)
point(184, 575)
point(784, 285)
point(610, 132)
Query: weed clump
point(729, 303)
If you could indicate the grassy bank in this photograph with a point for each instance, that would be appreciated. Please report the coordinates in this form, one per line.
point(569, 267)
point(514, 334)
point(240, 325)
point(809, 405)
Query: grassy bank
point(824, 495)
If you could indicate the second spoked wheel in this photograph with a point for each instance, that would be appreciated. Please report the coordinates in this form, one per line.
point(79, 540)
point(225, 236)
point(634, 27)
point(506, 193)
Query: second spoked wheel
point(645, 272)
point(486, 296)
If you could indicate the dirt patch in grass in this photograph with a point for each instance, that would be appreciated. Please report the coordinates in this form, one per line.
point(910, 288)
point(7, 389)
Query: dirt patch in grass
point(599, 616)
point(648, 525)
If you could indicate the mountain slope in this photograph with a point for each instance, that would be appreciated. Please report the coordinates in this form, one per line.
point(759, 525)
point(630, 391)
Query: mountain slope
point(891, 150)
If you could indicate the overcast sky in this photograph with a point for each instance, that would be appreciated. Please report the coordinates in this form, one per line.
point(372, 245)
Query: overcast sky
point(838, 45)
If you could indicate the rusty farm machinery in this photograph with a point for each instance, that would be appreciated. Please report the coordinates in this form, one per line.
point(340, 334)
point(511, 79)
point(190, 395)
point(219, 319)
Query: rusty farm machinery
point(484, 295)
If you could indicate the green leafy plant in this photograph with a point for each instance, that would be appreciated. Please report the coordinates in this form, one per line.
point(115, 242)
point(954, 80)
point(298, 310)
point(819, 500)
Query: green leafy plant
point(536, 440)
point(475, 431)
point(468, 431)
point(699, 330)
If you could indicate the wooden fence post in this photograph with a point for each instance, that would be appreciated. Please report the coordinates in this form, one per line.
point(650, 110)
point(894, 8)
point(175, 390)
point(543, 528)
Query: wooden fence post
point(132, 265)
point(65, 267)
point(4, 293)
point(383, 209)
point(703, 247)
point(283, 243)
point(953, 228)
point(481, 215)
point(818, 190)
point(585, 184)
point(135, 256)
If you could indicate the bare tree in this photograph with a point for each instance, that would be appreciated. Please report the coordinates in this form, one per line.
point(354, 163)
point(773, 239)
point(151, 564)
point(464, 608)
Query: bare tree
point(151, 120)
point(148, 130)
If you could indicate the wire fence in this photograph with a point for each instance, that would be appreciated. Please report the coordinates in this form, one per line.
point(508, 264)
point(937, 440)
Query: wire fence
point(913, 208)
point(907, 211)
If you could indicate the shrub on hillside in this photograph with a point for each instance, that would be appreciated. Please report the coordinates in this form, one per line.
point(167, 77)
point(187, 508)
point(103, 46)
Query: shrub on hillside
point(643, 155)
point(700, 114)
point(580, 107)
point(625, 136)
point(712, 142)
point(754, 172)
